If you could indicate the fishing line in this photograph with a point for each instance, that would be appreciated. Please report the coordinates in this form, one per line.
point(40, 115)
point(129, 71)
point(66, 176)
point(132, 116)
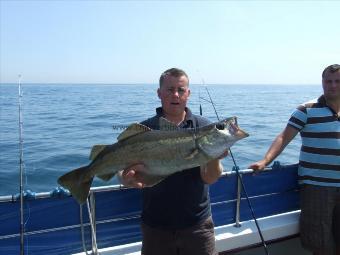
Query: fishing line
point(21, 168)
point(199, 100)
point(210, 101)
point(239, 177)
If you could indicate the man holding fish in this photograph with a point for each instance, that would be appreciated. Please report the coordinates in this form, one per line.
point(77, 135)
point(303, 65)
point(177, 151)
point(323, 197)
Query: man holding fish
point(172, 157)
point(176, 216)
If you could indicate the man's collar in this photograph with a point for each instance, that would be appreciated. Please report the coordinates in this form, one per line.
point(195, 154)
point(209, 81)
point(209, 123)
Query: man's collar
point(188, 115)
point(159, 112)
point(322, 100)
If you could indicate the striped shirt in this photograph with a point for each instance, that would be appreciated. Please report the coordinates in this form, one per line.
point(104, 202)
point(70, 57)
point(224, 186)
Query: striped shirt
point(319, 127)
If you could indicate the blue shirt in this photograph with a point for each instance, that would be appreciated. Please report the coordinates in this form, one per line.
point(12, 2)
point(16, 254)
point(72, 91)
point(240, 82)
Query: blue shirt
point(181, 200)
point(319, 128)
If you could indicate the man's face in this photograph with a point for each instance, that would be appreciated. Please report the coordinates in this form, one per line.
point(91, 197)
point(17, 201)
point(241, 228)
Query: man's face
point(174, 94)
point(331, 85)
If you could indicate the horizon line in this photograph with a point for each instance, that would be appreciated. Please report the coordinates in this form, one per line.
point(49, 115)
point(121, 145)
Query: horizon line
point(156, 84)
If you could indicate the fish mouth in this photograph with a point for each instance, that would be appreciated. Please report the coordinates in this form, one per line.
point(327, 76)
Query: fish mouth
point(241, 134)
point(238, 131)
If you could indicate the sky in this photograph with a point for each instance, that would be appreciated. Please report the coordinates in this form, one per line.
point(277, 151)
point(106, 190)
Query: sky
point(220, 42)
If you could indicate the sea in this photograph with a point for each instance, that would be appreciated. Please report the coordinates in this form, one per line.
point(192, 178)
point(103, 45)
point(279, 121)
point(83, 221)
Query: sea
point(61, 123)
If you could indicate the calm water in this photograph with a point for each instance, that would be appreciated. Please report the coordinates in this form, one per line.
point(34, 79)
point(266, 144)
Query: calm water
point(62, 123)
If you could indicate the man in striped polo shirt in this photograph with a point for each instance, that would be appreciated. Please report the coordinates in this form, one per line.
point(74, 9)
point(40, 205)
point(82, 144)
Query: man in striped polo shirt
point(318, 122)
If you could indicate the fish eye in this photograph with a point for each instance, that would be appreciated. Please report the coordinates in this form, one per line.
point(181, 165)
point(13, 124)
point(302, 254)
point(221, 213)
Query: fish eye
point(220, 126)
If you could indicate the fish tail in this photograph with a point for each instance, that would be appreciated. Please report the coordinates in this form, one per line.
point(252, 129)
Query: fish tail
point(75, 183)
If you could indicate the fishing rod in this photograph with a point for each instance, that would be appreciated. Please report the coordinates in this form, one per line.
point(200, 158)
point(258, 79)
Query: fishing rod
point(239, 176)
point(21, 168)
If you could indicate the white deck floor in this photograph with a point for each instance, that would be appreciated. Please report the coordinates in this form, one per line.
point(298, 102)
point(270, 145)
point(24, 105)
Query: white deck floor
point(291, 246)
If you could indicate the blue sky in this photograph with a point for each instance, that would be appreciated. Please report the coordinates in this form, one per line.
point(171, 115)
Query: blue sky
point(227, 42)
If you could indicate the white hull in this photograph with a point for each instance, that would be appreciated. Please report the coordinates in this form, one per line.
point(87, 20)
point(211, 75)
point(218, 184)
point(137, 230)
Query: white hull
point(229, 237)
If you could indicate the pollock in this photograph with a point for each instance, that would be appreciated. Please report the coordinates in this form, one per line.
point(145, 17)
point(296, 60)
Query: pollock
point(163, 152)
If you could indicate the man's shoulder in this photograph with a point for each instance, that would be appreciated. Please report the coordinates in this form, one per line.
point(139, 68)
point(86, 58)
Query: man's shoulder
point(311, 103)
point(151, 122)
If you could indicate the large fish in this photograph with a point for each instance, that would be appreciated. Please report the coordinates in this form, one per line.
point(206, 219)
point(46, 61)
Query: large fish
point(163, 152)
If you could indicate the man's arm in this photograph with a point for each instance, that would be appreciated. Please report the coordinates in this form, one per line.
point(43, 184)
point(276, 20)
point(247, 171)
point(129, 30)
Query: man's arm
point(278, 145)
point(133, 176)
point(212, 170)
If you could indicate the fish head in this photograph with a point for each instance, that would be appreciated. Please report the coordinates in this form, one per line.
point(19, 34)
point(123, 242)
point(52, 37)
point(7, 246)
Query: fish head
point(217, 138)
point(229, 128)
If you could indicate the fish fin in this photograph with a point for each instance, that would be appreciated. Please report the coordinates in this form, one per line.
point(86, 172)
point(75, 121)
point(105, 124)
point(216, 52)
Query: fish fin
point(96, 150)
point(192, 154)
point(164, 124)
point(132, 130)
point(73, 181)
point(106, 177)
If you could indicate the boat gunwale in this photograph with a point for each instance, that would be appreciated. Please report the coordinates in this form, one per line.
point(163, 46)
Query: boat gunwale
point(66, 193)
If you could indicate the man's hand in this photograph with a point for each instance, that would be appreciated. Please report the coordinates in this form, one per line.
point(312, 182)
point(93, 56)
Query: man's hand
point(224, 155)
point(280, 142)
point(258, 166)
point(132, 176)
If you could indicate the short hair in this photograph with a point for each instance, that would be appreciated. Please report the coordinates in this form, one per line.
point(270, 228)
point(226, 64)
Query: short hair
point(332, 69)
point(175, 72)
